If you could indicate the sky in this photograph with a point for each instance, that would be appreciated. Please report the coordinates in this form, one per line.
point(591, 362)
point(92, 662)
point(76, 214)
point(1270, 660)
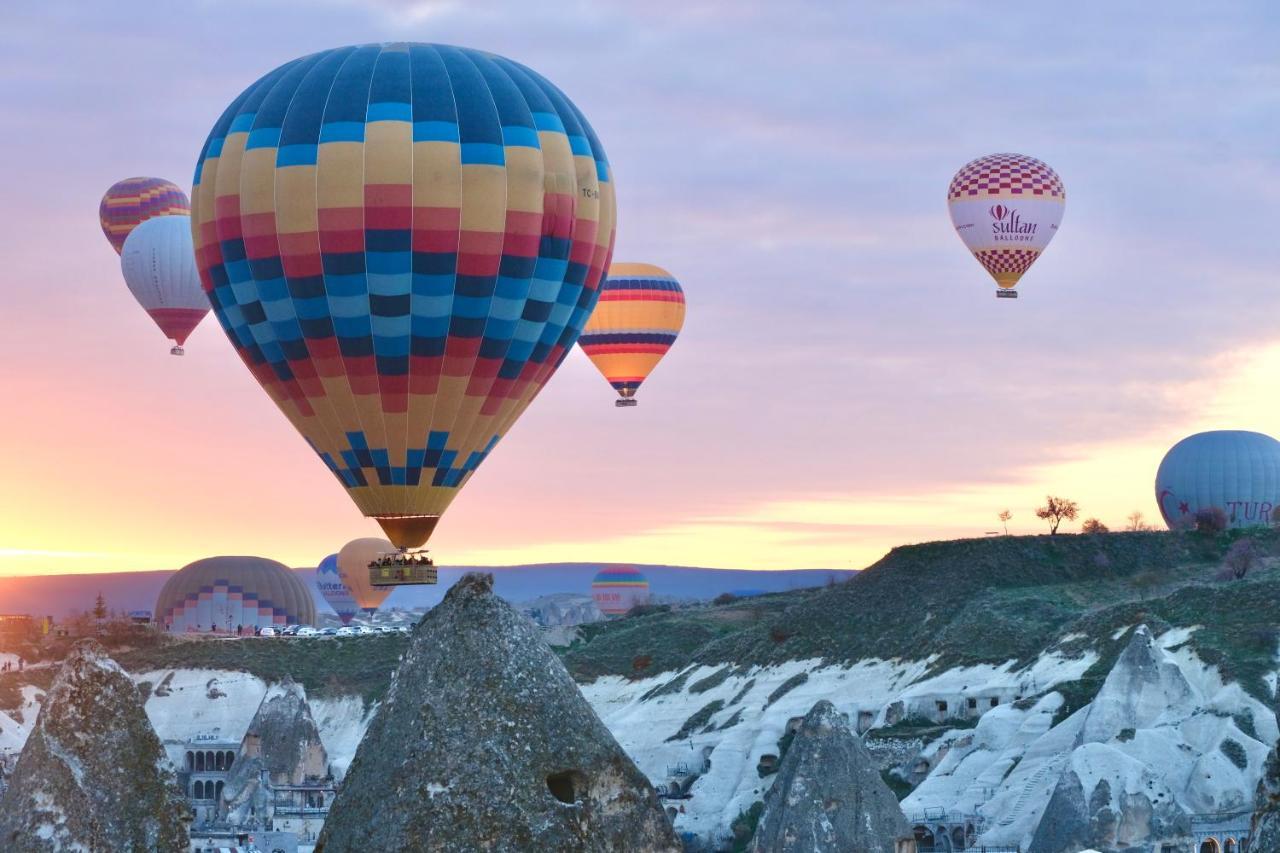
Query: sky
point(845, 381)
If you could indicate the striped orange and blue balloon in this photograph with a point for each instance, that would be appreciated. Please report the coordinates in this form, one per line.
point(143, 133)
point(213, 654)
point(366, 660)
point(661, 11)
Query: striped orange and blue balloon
point(639, 315)
point(135, 200)
point(617, 589)
point(403, 241)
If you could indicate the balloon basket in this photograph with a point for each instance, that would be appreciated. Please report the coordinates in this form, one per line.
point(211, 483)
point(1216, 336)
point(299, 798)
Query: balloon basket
point(625, 402)
point(403, 568)
point(176, 351)
point(1002, 293)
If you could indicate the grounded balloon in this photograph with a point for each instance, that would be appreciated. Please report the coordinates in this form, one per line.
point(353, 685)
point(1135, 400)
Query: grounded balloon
point(333, 590)
point(617, 589)
point(134, 200)
point(402, 242)
point(1233, 470)
point(1006, 208)
point(353, 570)
point(160, 268)
point(235, 595)
point(637, 319)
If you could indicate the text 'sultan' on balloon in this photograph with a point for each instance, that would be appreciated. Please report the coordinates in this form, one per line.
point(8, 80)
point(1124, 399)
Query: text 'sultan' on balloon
point(130, 202)
point(1006, 208)
point(159, 267)
point(639, 315)
point(353, 570)
point(334, 590)
point(1235, 471)
point(403, 241)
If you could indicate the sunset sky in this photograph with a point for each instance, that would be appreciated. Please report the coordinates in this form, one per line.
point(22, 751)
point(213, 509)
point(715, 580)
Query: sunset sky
point(845, 380)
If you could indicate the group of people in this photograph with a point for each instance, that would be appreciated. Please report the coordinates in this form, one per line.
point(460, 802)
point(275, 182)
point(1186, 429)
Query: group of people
point(9, 665)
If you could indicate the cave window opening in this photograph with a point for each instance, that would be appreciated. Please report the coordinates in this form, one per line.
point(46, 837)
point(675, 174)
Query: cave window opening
point(561, 786)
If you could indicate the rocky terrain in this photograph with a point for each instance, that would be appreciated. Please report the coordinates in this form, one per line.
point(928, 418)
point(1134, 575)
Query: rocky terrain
point(92, 775)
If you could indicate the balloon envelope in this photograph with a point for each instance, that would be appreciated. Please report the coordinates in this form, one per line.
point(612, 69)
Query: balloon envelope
point(135, 200)
point(160, 268)
point(334, 590)
point(639, 315)
point(353, 569)
point(1006, 208)
point(1234, 470)
point(617, 589)
point(402, 242)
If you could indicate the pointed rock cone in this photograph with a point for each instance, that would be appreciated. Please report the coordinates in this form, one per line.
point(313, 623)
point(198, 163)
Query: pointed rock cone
point(828, 795)
point(93, 774)
point(1264, 826)
point(484, 743)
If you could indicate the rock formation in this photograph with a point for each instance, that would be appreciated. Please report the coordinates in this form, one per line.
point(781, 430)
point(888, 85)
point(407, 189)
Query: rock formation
point(1264, 827)
point(93, 775)
point(281, 748)
point(828, 795)
point(484, 742)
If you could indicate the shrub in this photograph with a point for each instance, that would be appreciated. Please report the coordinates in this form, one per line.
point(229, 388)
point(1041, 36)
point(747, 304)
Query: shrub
point(1092, 525)
point(640, 663)
point(1234, 753)
point(724, 598)
point(1212, 520)
point(1240, 558)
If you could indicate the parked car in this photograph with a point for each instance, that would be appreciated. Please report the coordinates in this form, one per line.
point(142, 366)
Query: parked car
point(328, 632)
point(348, 631)
point(307, 631)
point(403, 629)
point(268, 632)
point(290, 630)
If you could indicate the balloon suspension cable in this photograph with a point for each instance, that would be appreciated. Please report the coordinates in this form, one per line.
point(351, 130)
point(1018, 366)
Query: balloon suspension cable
point(176, 351)
point(405, 566)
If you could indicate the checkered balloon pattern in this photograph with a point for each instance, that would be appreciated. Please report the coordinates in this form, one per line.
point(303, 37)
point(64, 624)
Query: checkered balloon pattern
point(402, 241)
point(131, 202)
point(637, 319)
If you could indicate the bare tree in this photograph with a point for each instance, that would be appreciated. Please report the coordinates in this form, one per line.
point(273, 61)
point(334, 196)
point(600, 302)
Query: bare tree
point(1057, 510)
point(1135, 521)
point(1092, 525)
point(1005, 515)
point(1211, 520)
point(1240, 558)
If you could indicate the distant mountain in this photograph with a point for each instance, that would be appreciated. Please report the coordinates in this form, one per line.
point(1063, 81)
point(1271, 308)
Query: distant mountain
point(60, 595)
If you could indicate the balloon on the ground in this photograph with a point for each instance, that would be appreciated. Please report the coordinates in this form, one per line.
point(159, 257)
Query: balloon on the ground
point(617, 589)
point(402, 242)
point(230, 594)
point(1006, 208)
point(637, 319)
point(353, 570)
point(334, 590)
point(1234, 470)
point(135, 200)
point(159, 267)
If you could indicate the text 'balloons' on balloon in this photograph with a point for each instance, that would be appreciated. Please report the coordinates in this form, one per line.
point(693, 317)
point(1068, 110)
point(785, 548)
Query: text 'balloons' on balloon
point(1006, 208)
point(617, 589)
point(334, 591)
point(130, 202)
point(159, 267)
point(353, 569)
point(402, 242)
point(1233, 470)
point(640, 313)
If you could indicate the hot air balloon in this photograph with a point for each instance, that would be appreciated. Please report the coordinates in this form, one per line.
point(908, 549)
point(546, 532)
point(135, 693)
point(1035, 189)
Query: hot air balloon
point(1006, 208)
point(333, 590)
point(353, 568)
point(403, 241)
point(135, 200)
point(1234, 470)
point(160, 268)
point(640, 312)
point(617, 589)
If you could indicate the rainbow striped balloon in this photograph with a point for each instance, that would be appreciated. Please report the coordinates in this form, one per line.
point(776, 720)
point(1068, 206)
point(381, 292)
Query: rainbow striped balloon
point(402, 242)
point(639, 315)
point(135, 200)
point(617, 589)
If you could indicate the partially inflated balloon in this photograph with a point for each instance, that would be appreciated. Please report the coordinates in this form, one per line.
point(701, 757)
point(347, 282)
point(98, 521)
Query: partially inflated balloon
point(1006, 208)
point(403, 241)
point(160, 268)
point(335, 592)
point(1234, 470)
point(353, 568)
point(617, 589)
point(135, 200)
point(639, 315)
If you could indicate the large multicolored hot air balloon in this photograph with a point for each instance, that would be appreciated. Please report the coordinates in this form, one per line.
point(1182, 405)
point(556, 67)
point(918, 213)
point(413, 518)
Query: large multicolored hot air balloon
point(617, 589)
point(637, 319)
point(353, 569)
point(1006, 208)
point(159, 266)
point(1234, 470)
point(135, 200)
point(403, 241)
point(333, 590)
